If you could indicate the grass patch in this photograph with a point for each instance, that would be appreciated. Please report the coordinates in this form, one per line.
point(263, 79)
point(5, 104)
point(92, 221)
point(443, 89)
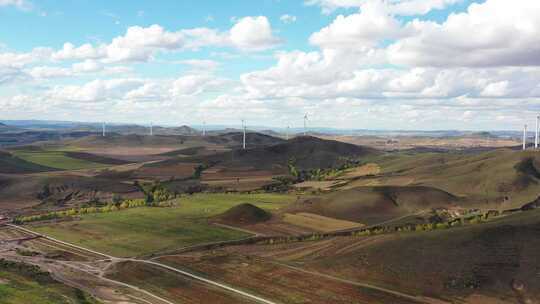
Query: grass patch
point(143, 231)
point(20, 286)
point(55, 159)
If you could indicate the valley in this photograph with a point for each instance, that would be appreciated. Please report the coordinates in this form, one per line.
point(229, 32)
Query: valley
point(179, 219)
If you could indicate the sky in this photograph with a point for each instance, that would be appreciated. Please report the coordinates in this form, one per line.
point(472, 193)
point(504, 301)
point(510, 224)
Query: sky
point(351, 64)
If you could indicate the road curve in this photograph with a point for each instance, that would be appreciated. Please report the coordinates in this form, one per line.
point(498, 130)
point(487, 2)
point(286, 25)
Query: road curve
point(185, 273)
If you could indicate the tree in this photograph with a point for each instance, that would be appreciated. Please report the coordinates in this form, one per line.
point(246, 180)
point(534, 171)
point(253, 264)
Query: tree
point(116, 199)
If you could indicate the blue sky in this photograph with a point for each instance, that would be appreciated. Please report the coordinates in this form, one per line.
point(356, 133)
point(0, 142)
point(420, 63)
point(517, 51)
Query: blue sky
point(378, 64)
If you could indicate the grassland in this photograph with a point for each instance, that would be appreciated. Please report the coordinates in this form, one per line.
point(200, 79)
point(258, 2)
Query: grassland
point(144, 231)
point(18, 288)
point(56, 159)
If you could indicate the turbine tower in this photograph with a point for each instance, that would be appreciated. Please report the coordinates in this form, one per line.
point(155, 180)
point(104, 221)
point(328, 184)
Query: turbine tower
point(151, 129)
point(537, 130)
point(305, 124)
point(287, 133)
point(204, 128)
point(524, 137)
point(244, 139)
point(103, 129)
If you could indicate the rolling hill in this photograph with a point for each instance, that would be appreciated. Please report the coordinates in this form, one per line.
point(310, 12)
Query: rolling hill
point(307, 153)
point(244, 214)
point(501, 178)
point(494, 260)
point(372, 205)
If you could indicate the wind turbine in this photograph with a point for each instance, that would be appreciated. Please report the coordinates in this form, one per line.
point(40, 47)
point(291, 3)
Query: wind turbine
point(536, 135)
point(204, 128)
point(103, 129)
point(305, 124)
point(525, 137)
point(151, 128)
point(287, 133)
point(244, 139)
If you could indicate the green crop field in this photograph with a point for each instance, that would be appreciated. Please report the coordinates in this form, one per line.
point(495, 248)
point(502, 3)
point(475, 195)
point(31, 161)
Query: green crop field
point(16, 288)
point(55, 159)
point(142, 231)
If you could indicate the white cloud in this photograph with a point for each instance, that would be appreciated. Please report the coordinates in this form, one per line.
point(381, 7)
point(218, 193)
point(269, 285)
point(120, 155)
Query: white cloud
point(85, 51)
point(94, 91)
point(496, 89)
point(494, 33)
point(87, 66)
point(288, 18)
point(45, 72)
point(201, 64)
point(146, 92)
point(253, 34)
point(20, 4)
point(139, 43)
point(397, 7)
point(190, 85)
point(11, 75)
point(22, 59)
point(358, 31)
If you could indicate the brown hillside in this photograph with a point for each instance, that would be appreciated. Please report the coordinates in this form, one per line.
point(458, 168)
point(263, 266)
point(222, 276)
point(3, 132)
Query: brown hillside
point(372, 205)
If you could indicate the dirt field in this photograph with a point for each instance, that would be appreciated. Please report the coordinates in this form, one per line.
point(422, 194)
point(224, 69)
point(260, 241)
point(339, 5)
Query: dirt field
point(179, 170)
point(167, 284)
point(317, 222)
point(410, 142)
point(284, 285)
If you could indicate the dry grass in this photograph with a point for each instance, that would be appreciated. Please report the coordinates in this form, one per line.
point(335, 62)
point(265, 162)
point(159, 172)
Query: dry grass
point(318, 222)
point(367, 169)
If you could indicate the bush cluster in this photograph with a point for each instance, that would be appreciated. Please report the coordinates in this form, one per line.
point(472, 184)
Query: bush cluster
point(125, 204)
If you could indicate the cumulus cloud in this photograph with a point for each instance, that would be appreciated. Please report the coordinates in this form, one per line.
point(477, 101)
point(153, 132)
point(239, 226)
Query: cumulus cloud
point(361, 30)
point(195, 84)
point(85, 51)
point(494, 33)
point(140, 44)
point(253, 34)
point(94, 91)
point(22, 59)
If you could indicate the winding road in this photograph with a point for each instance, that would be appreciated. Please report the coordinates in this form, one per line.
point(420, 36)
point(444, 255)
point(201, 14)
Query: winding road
point(256, 298)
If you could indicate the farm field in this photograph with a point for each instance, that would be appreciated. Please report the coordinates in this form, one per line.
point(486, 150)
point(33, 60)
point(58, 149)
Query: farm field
point(143, 231)
point(317, 222)
point(278, 282)
point(170, 285)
